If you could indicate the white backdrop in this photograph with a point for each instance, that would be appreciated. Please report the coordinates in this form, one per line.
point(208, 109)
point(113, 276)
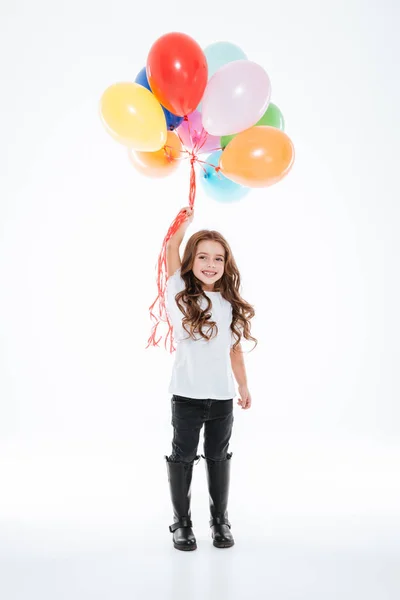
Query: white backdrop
point(85, 413)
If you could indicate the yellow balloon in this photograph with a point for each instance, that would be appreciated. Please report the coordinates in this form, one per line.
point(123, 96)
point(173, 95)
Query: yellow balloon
point(133, 116)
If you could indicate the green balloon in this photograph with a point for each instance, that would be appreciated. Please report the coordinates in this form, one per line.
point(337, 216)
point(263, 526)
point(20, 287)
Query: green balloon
point(225, 139)
point(272, 117)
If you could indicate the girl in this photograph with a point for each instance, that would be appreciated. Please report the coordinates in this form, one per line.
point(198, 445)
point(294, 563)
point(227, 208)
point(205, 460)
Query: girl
point(209, 318)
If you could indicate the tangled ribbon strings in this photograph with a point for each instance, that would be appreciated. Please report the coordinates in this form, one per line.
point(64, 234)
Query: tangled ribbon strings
point(162, 316)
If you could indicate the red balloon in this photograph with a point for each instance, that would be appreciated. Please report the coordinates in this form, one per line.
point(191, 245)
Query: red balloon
point(177, 72)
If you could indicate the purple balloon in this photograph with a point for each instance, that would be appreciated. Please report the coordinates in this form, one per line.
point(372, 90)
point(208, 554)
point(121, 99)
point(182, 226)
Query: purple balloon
point(194, 136)
point(235, 98)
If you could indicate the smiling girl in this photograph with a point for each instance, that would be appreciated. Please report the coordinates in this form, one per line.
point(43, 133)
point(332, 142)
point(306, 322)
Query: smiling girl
point(209, 318)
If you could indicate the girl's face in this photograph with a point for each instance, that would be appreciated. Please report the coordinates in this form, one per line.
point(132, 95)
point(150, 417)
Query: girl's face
point(209, 262)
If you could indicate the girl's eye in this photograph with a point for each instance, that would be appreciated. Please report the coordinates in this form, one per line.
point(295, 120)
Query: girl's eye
point(217, 258)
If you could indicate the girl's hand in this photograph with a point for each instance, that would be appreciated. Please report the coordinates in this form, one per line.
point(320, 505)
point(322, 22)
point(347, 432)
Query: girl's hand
point(245, 398)
point(179, 234)
point(189, 218)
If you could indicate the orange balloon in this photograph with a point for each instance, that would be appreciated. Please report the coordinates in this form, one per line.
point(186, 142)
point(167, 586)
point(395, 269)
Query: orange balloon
point(258, 157)
point(161, 163)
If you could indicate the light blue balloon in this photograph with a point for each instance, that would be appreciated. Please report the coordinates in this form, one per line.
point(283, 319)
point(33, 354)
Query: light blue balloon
point(217, 186)
point(220, 54)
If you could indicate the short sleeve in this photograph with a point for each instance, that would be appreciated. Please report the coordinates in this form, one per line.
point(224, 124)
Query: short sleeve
point(175, 284)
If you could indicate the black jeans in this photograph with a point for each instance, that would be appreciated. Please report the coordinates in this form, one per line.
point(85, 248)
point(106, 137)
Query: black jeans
point(188, 416)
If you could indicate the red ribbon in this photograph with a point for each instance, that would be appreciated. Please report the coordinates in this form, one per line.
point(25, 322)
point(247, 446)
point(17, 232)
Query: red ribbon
point(181, 217)
point(162, 271)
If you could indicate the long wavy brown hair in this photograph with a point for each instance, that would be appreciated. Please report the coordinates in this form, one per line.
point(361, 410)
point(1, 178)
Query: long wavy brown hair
point(194, 317)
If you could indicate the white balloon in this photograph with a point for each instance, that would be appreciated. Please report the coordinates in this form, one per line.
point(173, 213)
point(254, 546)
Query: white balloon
point(235, 98)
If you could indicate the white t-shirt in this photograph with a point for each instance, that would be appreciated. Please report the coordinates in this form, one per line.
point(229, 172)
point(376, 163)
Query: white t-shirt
point(202, 369)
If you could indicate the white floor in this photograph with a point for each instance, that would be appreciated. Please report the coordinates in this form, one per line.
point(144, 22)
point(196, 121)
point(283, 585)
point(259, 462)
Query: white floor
point(307, 525)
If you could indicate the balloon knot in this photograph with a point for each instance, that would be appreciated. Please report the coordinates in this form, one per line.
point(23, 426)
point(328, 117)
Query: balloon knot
point(217, 168)
point(186, 118)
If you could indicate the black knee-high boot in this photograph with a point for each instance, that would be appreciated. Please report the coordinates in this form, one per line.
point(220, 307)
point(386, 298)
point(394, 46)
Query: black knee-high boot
point(180, 479)
point(218, 478)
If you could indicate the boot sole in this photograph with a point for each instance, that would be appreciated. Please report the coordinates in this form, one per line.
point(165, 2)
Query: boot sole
point(226, 545)
point(185, 548)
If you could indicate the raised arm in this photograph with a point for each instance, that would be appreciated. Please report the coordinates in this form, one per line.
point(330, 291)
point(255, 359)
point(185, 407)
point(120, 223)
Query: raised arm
point(173, 244)
point(173, 257)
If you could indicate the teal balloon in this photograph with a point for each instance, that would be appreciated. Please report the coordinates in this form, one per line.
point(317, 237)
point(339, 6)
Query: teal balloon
point(217, 186)
point(220, 54)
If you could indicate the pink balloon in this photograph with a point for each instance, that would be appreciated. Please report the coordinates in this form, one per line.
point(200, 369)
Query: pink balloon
point(235, 98)
point(195, 137)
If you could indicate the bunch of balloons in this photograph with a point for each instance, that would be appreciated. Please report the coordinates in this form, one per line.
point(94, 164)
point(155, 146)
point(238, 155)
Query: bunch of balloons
point(187, 103)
